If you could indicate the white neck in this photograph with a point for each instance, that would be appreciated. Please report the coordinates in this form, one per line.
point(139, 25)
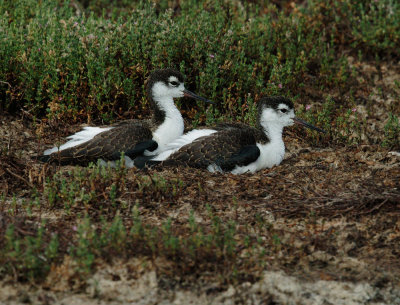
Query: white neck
point(274, 132)
point(173, 125)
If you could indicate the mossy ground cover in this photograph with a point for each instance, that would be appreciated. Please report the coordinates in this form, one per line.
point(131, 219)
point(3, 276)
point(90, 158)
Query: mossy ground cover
point(329, 212)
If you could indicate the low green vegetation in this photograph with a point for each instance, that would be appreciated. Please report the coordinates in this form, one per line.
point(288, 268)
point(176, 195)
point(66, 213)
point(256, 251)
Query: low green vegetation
point(107, 228)
point(87, 61)
point(30, 256)
point(392, 132)
point(102, 224)
point(66, 60)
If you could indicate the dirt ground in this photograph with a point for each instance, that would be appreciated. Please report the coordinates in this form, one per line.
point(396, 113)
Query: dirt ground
point(335, 208)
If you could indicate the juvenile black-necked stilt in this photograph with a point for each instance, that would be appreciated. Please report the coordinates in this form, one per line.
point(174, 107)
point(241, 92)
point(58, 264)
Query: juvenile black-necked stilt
point(236, 148)
point(132, 137)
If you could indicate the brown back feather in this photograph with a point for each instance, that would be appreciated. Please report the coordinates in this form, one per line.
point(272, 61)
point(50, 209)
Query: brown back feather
point(124, 136)
point(221, 145)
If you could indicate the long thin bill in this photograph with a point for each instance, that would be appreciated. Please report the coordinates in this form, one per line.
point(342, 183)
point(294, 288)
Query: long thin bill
point(193, 95)
point(304, 123)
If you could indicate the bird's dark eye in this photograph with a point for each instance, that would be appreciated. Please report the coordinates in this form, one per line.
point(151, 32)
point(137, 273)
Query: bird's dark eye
point(283, 110)
point(174, 83)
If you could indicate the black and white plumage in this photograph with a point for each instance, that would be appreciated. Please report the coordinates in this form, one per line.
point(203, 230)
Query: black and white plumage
point(131, 137)
point(236, 148)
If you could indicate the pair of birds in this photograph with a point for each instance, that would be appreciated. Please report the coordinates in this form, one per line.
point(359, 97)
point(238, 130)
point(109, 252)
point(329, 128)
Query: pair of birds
point(228, 147)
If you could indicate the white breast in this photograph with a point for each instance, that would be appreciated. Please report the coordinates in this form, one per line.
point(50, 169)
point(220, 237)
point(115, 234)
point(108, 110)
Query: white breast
point(271, 154)
point(167, 132)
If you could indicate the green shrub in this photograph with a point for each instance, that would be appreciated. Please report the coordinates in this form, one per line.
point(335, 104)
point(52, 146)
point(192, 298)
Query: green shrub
point(30, 256)
point(65, 63)
point(392, 132)
point(89, 61)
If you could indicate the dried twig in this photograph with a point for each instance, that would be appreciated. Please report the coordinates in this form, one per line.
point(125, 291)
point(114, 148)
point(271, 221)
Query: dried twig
point(376, 207)
point(19, 177)
point(7, 83)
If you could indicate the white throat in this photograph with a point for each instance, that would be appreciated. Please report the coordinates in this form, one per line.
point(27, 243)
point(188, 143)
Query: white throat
point(272, 125)
point(273, 131)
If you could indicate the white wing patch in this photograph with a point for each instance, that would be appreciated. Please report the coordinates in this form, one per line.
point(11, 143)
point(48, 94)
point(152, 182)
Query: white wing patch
point(78, 138)
point(182, 141)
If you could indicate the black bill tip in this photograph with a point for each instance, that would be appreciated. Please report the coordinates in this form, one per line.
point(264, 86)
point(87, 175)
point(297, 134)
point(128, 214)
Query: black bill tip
point(195, 96)
point(304, 123)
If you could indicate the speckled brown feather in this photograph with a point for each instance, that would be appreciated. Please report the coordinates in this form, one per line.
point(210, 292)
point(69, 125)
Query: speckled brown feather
point(216, 148)
point(122, 137)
